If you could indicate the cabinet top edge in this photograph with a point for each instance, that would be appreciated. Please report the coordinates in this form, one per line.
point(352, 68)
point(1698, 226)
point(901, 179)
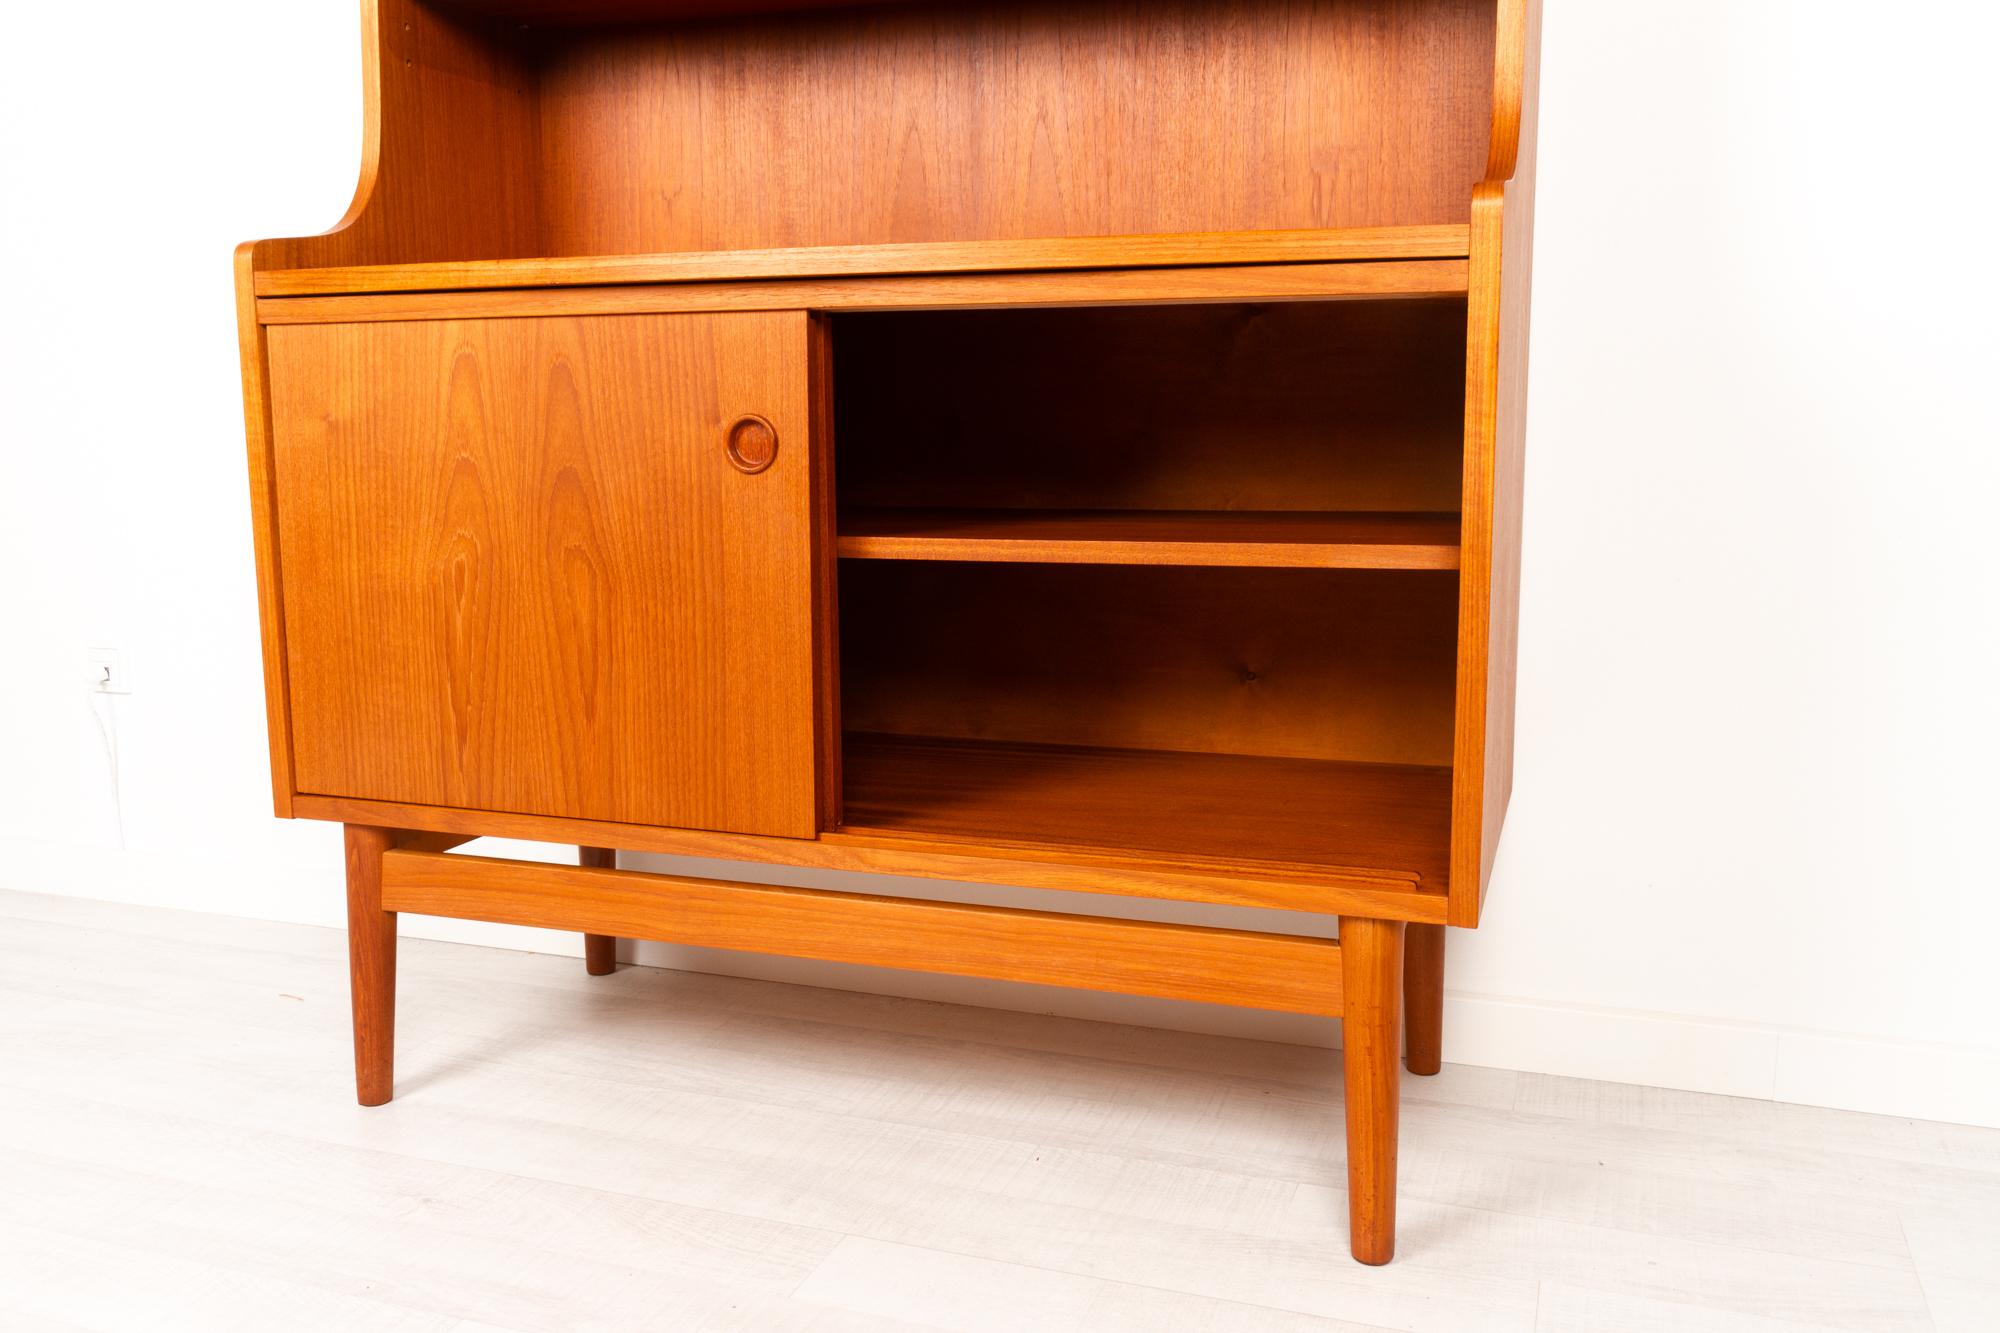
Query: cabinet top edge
point(1352, 244)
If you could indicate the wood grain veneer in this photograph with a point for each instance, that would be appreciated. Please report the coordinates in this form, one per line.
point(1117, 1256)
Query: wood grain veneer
point(985, 121)
point(508, 550)
point(1265, 971)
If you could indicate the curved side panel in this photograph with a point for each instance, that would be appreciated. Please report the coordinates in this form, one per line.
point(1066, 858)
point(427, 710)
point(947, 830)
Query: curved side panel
point(449, 142)
point(1516, 50)
point(447, 156)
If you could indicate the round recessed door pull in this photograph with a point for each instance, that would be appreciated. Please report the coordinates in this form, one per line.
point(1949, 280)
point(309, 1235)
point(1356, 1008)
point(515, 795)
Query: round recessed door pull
point(752, 443)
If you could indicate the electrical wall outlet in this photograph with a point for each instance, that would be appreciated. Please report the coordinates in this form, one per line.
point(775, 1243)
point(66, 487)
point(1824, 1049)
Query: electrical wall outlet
point(106, 671)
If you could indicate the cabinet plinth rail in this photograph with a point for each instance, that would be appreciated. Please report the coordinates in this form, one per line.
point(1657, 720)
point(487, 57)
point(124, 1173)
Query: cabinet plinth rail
point(1250, 969)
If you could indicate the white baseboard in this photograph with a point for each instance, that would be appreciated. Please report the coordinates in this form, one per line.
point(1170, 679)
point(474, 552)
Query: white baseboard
point(1843, 1071)
point(1906, 1079)
point(1914, 1080)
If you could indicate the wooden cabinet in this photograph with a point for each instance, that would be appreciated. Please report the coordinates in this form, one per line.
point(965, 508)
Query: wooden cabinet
point(524, 572)
point(1076, 447)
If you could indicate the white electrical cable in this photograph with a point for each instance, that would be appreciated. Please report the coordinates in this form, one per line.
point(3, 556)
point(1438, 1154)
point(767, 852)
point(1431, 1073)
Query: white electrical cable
point(103, 712)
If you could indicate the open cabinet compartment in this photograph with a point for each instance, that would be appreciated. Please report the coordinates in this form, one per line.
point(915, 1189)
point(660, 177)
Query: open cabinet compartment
point(1061, 619)
point(1300, 718)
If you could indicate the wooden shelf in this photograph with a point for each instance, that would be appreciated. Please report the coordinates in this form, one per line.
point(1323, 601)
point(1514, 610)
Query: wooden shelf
point(1194, 249)
point(1306, 814)
point(1154, 537)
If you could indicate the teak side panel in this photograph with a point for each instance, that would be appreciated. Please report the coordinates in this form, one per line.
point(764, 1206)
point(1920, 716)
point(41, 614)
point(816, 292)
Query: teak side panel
point(250, 347)
point(1510, 447)
point(522, 574)
point(1496, 404)
point(976, 121)
point(1247, 968)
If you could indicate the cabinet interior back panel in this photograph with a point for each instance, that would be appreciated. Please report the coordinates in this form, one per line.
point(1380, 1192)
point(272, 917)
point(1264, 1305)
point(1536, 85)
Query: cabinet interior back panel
point(1305, 664)
point(982, 122)
point(1323, 406)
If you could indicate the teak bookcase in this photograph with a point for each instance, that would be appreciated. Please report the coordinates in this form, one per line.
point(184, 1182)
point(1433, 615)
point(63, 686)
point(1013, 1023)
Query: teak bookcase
point(1074, 446)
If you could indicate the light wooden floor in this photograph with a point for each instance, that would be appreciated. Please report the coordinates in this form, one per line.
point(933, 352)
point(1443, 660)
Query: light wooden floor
point(179, 1148)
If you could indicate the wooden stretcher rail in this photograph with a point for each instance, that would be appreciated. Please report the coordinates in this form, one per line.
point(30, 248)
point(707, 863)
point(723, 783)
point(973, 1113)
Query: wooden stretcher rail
point(1290, 973)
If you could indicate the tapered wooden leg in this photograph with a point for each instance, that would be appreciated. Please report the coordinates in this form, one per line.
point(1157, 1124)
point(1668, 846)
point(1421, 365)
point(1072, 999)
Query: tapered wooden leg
point(1423, 998)
point(600, 952)
point(1371, 971)
point(371, 965)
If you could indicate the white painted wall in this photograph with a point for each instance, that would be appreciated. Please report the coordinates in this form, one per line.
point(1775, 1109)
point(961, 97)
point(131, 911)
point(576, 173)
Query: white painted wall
point(1759, 640)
